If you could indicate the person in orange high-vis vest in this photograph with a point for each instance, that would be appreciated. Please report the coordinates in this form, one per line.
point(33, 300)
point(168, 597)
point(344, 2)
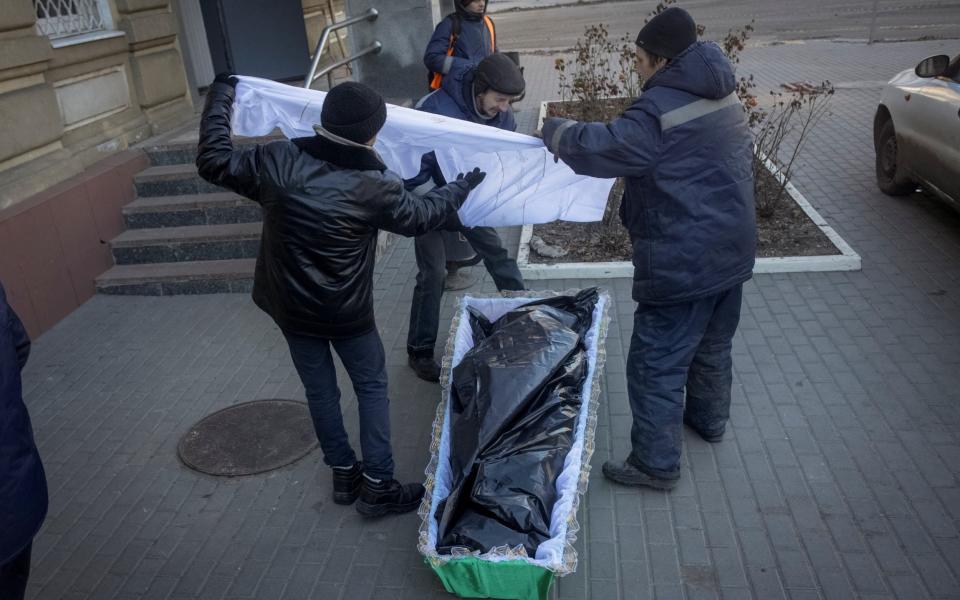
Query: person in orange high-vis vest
point(464, 37)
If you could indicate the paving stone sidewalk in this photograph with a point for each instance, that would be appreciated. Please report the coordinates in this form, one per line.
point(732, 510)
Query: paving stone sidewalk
point(838, 477)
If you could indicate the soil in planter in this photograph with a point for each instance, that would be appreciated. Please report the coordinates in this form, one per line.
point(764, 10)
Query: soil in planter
point(787, 232)
point(783, 231)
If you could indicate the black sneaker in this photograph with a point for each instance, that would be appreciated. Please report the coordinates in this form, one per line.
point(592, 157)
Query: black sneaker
point(346, 484)
point(625, 473)
point(715, 436)
point(425, 367)
point(380, 497)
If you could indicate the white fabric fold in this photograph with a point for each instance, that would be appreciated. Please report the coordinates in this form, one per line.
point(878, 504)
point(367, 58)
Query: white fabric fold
point(523, 185)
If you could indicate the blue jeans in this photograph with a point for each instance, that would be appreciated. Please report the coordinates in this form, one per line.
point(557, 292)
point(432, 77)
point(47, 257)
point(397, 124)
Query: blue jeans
point(673, 347)
point(432, 272)
point(364, 360)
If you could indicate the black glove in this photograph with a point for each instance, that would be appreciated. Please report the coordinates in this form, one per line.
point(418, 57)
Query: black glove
point(473, 178)
point(550, 125)
point(228, 78)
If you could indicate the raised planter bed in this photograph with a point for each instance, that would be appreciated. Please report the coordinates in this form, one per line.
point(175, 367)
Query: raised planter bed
point(844, 259)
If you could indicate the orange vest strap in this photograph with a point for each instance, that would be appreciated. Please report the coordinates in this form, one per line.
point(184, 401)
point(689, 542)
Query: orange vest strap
point(438, 77)
point(493, 36)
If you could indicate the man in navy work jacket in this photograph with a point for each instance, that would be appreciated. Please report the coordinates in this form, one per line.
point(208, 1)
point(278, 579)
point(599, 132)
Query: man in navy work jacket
point(480, 94)
point(685, 150)
point(324, 199)
point(23, 485)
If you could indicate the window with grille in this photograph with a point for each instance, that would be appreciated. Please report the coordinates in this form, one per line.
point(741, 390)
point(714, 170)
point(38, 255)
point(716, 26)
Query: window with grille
point(62, 18)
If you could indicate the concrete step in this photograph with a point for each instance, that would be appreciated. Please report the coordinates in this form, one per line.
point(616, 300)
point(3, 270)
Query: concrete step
point(190, 243)
point(172, 154)
point(191, 209)
point(172, 180)
point(166, 279)
point(182, 149)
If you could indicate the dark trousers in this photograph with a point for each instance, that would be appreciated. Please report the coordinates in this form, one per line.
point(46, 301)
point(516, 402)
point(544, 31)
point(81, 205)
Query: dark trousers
point(672, 347)
point(432, 272)
point(364, 360)
point(14, 574)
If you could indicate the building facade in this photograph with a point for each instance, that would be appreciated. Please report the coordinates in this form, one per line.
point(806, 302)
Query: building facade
point(82, 82)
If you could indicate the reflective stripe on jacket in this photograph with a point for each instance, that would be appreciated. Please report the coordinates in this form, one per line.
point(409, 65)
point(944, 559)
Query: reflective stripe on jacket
point(686, 152)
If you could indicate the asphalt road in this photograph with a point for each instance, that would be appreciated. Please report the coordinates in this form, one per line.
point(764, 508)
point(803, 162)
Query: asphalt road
point(775, 20)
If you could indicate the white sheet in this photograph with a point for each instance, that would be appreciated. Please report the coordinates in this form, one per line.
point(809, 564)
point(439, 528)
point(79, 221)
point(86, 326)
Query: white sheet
point(523, 185)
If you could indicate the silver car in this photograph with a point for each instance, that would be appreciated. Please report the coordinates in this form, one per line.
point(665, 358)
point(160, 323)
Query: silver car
point(916, 131)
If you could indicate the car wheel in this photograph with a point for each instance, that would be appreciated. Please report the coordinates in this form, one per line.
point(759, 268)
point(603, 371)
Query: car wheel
point(890, 177)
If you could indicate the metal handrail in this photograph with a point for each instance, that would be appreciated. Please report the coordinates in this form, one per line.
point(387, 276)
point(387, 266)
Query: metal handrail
point(370, 15)
point(373, 48)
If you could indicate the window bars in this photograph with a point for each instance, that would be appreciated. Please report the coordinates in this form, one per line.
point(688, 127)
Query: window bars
point(62, 18)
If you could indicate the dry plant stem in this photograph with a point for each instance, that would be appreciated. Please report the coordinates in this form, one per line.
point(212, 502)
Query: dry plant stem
point(792, 118)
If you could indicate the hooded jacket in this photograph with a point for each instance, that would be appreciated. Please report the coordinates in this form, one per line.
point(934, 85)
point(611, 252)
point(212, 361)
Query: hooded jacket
point(685, 151)
point(324, 200)
point(23, 484)
point(454, 99)
point(473, 43)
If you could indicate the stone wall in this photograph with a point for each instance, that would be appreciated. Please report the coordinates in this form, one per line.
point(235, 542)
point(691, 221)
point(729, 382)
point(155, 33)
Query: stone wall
point(52, 245)
point(68, 103)
point(404, 27)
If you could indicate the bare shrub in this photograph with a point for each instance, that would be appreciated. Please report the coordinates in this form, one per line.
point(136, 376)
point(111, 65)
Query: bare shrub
point(601, 80)
point(781, 135)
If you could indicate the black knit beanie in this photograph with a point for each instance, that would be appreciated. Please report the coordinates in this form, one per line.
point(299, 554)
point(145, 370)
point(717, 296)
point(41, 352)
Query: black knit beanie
point(498, 72)
point(669, 33)
point(353, 111)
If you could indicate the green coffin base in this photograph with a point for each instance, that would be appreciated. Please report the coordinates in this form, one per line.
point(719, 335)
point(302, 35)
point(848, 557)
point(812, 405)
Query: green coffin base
point(470, 577)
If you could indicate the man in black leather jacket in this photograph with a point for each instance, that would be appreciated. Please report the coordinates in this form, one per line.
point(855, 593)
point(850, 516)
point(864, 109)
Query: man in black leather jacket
point(324, 199)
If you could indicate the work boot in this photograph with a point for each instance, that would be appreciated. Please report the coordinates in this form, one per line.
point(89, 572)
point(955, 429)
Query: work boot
point(425, 367)
point(626, 473)
point(380, 497)
point(346, 483)
point(714, 436)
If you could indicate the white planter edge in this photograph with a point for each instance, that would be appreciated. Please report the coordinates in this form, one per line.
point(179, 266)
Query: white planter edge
point(847, 260)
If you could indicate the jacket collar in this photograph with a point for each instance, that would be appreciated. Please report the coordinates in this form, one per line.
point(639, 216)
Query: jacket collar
point(339, 151)
point(467, 100)
point(702, 70)
point(470, 99)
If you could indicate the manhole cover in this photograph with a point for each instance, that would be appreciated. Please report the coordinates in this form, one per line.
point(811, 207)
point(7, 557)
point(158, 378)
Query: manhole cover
point(249, 438)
